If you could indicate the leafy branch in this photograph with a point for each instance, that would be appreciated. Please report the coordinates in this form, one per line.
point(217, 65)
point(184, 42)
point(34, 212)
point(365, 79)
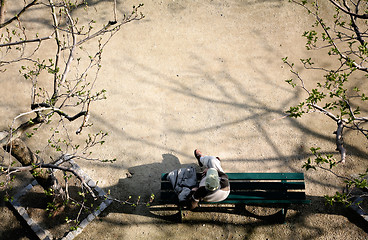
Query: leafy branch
point(354, 186)
point(337, 95)
point(73, 70)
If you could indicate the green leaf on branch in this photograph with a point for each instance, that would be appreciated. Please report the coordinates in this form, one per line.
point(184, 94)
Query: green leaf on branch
point(290, 81)
point(297, 111)
point(314, 150)
point(307, 61)
point(308, 165)
point(364, 97)
point(315, 96)
point(338, 198)
point(311, 38)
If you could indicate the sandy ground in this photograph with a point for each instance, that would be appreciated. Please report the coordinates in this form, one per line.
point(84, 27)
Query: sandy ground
point(204, 74)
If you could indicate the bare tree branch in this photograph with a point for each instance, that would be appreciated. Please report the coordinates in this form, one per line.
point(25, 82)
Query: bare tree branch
point(71, 170)
point(326, 31)
point(115, 17)
point(25, 41)
point(340, 140)
point(101, 31)
point(57, 55)
point(362, 16)
point(19, 14)
point(133, 17)
point(41, 165)
point(354, 25)
point(13, 134)
point(70, 58)
point(58, 111)
point(324, 111)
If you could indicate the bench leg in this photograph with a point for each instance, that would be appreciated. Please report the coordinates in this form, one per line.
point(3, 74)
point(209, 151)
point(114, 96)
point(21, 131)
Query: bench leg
point(180, 215)
point(283, 214)
point(240, 208)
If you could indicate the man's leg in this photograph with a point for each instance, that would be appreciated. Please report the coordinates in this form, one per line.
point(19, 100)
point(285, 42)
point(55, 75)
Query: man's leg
point(211, 162)
point(208, 161)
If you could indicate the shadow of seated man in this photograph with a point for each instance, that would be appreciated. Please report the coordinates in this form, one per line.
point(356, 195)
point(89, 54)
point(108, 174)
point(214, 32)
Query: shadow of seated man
point(140, 183)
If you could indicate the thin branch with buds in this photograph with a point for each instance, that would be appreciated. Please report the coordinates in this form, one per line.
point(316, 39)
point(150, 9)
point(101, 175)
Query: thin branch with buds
point(34, 2)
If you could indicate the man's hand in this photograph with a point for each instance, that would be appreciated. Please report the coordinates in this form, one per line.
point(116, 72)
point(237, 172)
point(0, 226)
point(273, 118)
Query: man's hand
point(193, 204)
point(204, 172)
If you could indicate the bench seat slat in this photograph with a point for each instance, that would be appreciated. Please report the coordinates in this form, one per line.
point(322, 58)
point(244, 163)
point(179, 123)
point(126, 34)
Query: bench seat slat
point(258, 195)
point(266, 176)
point(252, 198)
point(254, 195)
point(263, 201)
point(258, 176)
point(237, 186)
point(266, 185)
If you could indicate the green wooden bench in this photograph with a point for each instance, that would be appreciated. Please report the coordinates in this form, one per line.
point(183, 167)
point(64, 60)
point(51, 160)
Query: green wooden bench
point(266, 189)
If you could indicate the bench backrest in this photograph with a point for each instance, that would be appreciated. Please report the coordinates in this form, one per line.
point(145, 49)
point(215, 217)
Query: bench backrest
point(242, 181)
point(266, 176)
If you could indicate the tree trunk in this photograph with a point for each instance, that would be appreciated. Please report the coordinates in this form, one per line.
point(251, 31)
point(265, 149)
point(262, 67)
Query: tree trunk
point(26, 157)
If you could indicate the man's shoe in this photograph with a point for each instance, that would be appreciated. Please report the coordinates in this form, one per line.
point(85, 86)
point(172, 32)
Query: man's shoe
point(198, 156)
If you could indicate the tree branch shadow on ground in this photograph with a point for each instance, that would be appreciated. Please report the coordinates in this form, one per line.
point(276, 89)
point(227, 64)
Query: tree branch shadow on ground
point(150, 180)
point(253, 108)
point(92, 5)
point(250, 104)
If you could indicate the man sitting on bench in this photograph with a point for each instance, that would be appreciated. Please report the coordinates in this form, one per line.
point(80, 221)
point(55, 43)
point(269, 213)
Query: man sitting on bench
point(214, 185)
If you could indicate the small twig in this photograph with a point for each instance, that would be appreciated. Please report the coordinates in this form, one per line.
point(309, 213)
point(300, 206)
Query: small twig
point(134, 16)
point(329, 170)
point(128, 202)
point(101, 31)
point(70, 58)
point(57, 55)
point(115, 18)
point(80, 210)
point(66, 186)
point(85, 118)
point(25, 41)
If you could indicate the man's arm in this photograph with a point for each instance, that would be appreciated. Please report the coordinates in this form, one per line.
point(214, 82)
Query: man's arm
point(224, 181)
point(197, 195)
